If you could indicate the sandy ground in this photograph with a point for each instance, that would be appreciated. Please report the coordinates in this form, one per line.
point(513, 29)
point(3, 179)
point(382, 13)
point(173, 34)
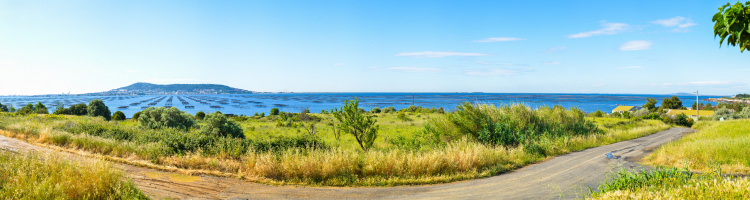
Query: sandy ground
point(564, 177)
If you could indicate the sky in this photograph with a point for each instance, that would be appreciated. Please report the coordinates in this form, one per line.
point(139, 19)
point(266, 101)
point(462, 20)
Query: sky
point(642, 47)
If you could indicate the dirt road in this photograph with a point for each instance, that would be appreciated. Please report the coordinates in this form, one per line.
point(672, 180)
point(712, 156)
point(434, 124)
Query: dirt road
point(563, 177)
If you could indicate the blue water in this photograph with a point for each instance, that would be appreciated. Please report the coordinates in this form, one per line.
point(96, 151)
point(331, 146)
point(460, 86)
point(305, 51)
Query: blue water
point(248, 104)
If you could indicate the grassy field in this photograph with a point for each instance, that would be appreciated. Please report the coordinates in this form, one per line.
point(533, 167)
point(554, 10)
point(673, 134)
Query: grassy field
point(51, 177)
point(717, 149)
point(287, 152)
point(725, 144)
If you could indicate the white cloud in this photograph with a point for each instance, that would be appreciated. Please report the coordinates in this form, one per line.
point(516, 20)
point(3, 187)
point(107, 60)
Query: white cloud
point(607, 29)
point(679, 22)
point(437, 54)
point(553, 63)
point(554, 49)
point(499, 39)
point(631, 67)
point(416, 69)
point(492, 72)
point(635, 45)
point(704, 83)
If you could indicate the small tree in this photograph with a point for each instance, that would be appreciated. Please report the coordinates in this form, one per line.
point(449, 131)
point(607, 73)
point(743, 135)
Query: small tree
point(375, 110)
point(274, 111)
point(3, 108)
point(671, 103)
point(97, 108)
point(650, 104)
point(118, 116)
point(200, 115)
point(218, 125)
point(39, 108)
point(352, 121)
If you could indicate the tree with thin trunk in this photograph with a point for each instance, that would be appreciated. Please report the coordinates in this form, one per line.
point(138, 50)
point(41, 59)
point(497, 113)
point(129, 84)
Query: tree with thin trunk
point(352, 121)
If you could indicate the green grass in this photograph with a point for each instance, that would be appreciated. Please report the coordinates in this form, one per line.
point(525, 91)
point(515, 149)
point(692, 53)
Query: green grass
point(37, 176)
point(717, 148)
point(725, 144)
point(404, 153)
point(672, 183)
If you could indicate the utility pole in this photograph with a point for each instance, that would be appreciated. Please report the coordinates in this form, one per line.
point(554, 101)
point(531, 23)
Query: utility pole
point(412, 99)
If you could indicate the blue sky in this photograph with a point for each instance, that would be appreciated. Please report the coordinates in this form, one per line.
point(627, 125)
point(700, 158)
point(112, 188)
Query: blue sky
point(647, 47)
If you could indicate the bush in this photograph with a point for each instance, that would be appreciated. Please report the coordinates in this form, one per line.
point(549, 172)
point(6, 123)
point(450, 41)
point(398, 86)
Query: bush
point(403, 117)
point(745, 113)
point(28, 109)
point(510, 125)
point(274, 111)
point(78, 109)
point(375, 110)
point(389, 109)
point(3, 108)
point(39, 108)
point(156, 118)
point(136, 115)
point(218, 125)
point(118, 116)
point(97, 108)
point(200, 115)
point(598, 113)
point(683, 120)
point(656, 116)
point(724, 113)
point(640, 113)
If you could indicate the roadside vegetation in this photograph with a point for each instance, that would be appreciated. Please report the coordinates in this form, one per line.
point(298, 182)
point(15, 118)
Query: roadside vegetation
point(341, 147)
point(36, 176)
point(711, 163)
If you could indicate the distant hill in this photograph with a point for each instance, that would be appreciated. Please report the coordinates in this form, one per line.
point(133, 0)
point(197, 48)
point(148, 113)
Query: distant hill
point(172, 89)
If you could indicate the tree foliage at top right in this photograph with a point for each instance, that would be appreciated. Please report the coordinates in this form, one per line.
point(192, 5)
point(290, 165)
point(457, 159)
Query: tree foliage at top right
point(732, 23)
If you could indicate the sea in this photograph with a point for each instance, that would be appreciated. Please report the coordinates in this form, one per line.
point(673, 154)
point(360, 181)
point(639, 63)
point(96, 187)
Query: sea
point(249, 104)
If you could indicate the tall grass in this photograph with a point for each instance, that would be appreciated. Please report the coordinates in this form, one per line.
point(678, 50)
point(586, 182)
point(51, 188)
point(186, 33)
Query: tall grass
point(725, 144)
point(512, 124)
point(37, 176)
point(672, 183)
point(404, 154)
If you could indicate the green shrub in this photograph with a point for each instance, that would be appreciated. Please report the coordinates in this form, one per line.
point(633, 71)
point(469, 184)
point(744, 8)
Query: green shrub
point(97, 108)
point(389, 109)
point(200, 115)
point(39, 108)
point(77, 109)
point(375, 110)
point(402, 116)
point(218, 125)
point(510, 125)
point(598, 113)
point(156, 118)
point(118, 116)
point(136, 115)
point(656, 116)
point(28, 109)
point(274, 111)
point(3, 108)
point(683, 120)
point(724, 113)
point(745, 113)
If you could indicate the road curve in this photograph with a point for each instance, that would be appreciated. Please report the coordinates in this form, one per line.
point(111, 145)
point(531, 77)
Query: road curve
point(566, 176)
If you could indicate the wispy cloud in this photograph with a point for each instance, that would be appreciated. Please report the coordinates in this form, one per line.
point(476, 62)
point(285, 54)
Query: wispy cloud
point(635, 45)
point(554, 49)
point(631, 67)
point(497, 72)
point(499, 39)
point(704, 83)
point(416, 69)
point(437, 54)
point(679, 23)
point(607, 29)
point(552, 63)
